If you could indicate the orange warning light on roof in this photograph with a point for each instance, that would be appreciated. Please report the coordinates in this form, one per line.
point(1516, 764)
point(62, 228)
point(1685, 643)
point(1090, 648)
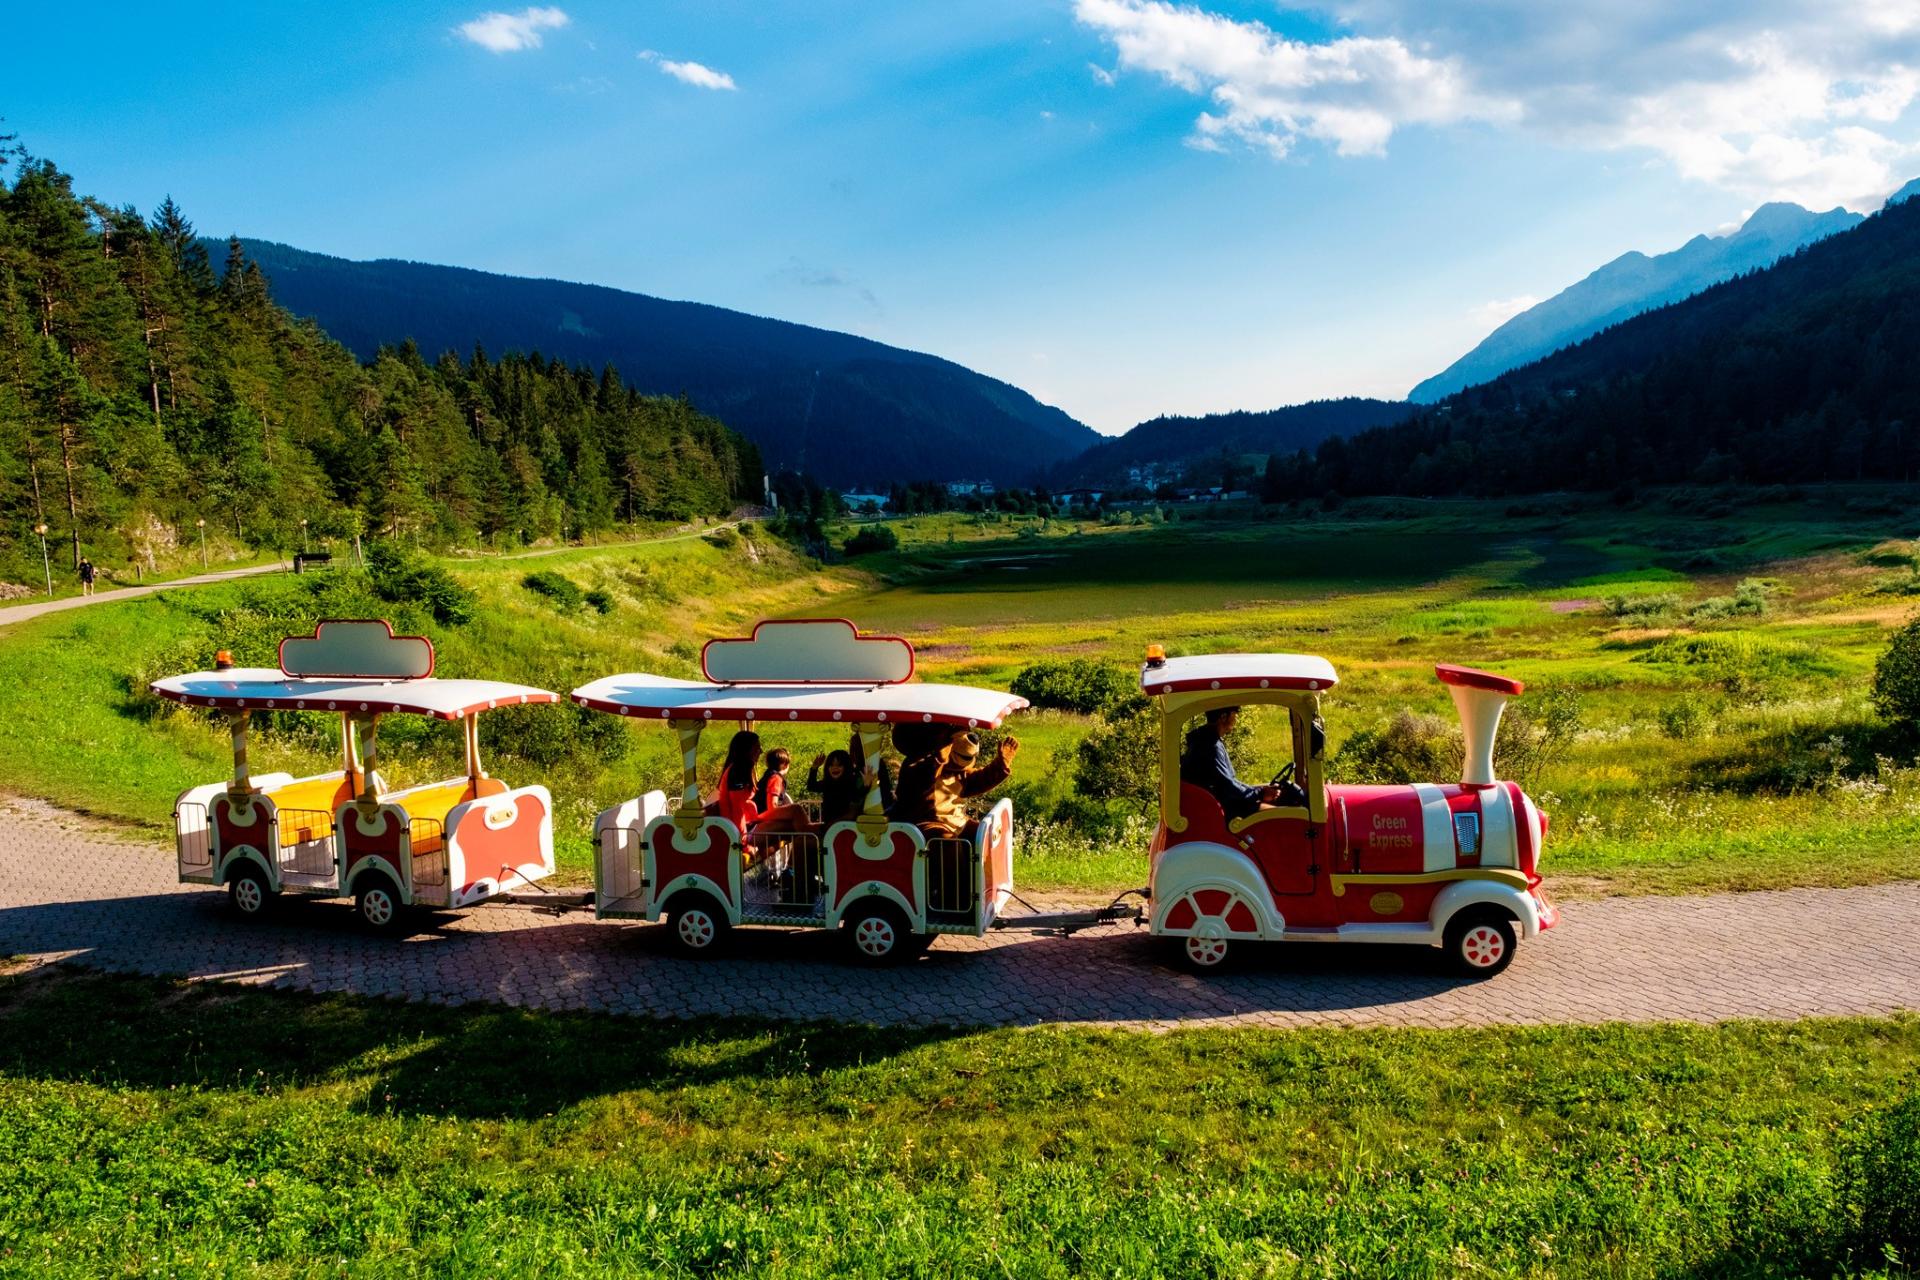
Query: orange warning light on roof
point(223, 660)
point(1156, 655)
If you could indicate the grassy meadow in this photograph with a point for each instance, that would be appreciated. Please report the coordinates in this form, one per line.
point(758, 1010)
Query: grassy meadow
point(1718, 650)
point(152, 1129)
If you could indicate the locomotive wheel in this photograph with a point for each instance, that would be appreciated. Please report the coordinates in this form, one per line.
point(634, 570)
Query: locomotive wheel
point(1480, 944)
point(248, 893)
point(696, 926)
point(879, 934)
point(378, 904)
point(1206, 952)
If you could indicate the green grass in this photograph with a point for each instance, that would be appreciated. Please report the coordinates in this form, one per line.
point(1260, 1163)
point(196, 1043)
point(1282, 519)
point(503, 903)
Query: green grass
point(1383, 589)
point(154, 1128)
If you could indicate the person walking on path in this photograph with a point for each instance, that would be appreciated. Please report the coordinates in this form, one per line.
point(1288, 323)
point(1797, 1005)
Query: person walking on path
point(86, 576)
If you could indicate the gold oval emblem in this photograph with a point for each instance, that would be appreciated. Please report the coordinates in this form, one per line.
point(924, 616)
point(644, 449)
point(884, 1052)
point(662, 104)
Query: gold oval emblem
point(1387, 904)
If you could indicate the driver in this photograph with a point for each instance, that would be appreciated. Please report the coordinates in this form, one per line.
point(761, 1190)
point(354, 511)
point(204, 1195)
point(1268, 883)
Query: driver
point(1205, 763)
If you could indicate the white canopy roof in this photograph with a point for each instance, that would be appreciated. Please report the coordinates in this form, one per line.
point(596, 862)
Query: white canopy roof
point(1238, 671)
point(269, 689)
point(665, 698)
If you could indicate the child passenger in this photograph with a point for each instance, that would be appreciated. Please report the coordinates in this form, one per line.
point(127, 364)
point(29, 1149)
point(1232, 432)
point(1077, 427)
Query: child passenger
point(738, 799)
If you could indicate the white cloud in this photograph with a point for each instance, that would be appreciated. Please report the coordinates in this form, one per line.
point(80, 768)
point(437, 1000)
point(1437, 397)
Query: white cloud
point(1496, 312)
point(1269, 91)
point(1102, 76)
point(693, 73)
point(511, 32)
point(1803, 100)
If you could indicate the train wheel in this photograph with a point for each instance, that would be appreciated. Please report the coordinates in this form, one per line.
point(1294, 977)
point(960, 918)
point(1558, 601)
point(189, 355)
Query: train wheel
point(1481, 944)
point(247, 891)
point(378, 904)
point(1204, 952)
point(878, 933)
point(696, 926)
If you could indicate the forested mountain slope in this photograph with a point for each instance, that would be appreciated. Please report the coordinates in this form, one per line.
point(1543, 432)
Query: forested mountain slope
point(846, 410)
point(141, 390)
point(1631, 284)
point(1169, 442)
point(1802, 371)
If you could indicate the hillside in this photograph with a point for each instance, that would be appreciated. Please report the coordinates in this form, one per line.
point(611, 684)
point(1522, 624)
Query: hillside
point(845, 409)
point(1169, 443)
point(1802, 371)
point(1631, 284)
point(143, 392)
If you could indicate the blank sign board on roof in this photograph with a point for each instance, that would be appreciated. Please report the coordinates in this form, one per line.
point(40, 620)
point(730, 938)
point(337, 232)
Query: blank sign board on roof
point(361, 650)
point(810, 651)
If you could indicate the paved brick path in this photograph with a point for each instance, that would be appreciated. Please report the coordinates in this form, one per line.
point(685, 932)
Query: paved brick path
point(74, 890)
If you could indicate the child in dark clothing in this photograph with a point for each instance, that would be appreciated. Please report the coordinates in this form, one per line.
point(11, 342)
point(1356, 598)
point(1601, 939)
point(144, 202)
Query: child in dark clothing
point(838, 778)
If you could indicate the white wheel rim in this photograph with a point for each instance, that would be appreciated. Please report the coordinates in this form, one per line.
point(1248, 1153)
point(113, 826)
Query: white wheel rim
point(247, 895)
point(1206, 951)
point(696, 929)
point(874, 936)
point(1483, 946)
point(377, 906)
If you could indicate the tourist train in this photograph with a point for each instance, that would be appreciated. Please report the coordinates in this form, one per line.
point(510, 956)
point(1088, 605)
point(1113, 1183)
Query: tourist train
point(1297, 860)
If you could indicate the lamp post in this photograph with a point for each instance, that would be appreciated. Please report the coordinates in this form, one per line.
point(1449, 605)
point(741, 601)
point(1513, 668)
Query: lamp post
point(303, 536)
point(201, 525)
point(46, 565)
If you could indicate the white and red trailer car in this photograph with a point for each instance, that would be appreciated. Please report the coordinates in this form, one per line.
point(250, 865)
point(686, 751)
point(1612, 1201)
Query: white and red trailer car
point(450, 843)
point(884, 885)
point(1449, 865)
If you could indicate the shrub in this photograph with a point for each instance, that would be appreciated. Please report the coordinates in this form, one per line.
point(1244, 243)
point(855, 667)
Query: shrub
point(554, 586)
point(873, 539)
point(600, 600)
point(1744, 666)
point(1642, 609)
point(724, 538)
point(405, 577)
point(1896, 678)
point(1749, 599)
point(1537, 731)
point(1120, 758)
point(1412, 747)
point(1076, 684)
point(1880, 1181)
point(1684, 717)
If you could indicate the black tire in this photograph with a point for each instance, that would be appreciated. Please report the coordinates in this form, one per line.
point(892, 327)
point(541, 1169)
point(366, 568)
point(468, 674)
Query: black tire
point(248, 892)
point(1203, 956)
point(697, 926)
point(377, 902)
point(878, 934)
point(1480, 944)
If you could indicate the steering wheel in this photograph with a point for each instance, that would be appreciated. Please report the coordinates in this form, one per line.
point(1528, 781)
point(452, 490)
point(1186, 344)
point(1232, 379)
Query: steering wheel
point(1283, 777)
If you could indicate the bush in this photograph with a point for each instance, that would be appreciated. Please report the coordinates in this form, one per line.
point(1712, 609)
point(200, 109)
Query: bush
point(1076, 684)
point(1642, 609)
point(1412, 747)
point(724, 538)
point(600, 600)
point(1744, 666)
point(1120, 758)
point(1896, 678)
point(1749, 599)
point(1880, 1181)
point(872, 539)
point(555, 587)
point(405, 577)
point(1684, 717)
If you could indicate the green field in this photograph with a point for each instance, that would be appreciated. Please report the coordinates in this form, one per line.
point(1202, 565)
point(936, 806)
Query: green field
point(163, 1129)
point(1717, 747)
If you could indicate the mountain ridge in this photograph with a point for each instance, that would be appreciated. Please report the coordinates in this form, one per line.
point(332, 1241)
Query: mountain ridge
point(1632, 284)
point(848, 410)
point(1177, 439)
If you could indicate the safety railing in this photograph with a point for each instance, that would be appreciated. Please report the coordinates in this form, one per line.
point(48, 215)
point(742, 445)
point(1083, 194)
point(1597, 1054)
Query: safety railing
point(950, 876)
point(426, 840)
point(191, 839)
point(784, 871)
point(306, 841)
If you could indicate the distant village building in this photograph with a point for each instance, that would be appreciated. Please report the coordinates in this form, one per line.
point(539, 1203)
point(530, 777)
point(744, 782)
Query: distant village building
point(970, 488)
point(1081, 497)
point(865, 502)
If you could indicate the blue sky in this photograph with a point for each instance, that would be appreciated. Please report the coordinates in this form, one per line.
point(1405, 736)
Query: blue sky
point(1127, 207)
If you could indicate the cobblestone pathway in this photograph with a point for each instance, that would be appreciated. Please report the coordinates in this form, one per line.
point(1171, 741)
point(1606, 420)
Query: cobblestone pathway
point(74, 890)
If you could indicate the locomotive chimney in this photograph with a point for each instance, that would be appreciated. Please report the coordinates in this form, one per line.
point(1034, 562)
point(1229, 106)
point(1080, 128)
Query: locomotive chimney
point(1480, 697)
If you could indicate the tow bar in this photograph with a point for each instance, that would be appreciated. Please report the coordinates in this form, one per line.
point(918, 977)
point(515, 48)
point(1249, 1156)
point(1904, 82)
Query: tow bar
point(1066, 923)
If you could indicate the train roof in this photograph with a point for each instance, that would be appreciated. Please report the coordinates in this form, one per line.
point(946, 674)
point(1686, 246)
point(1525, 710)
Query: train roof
point(270, 689)
point(665, 698)
point(1204, 672)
